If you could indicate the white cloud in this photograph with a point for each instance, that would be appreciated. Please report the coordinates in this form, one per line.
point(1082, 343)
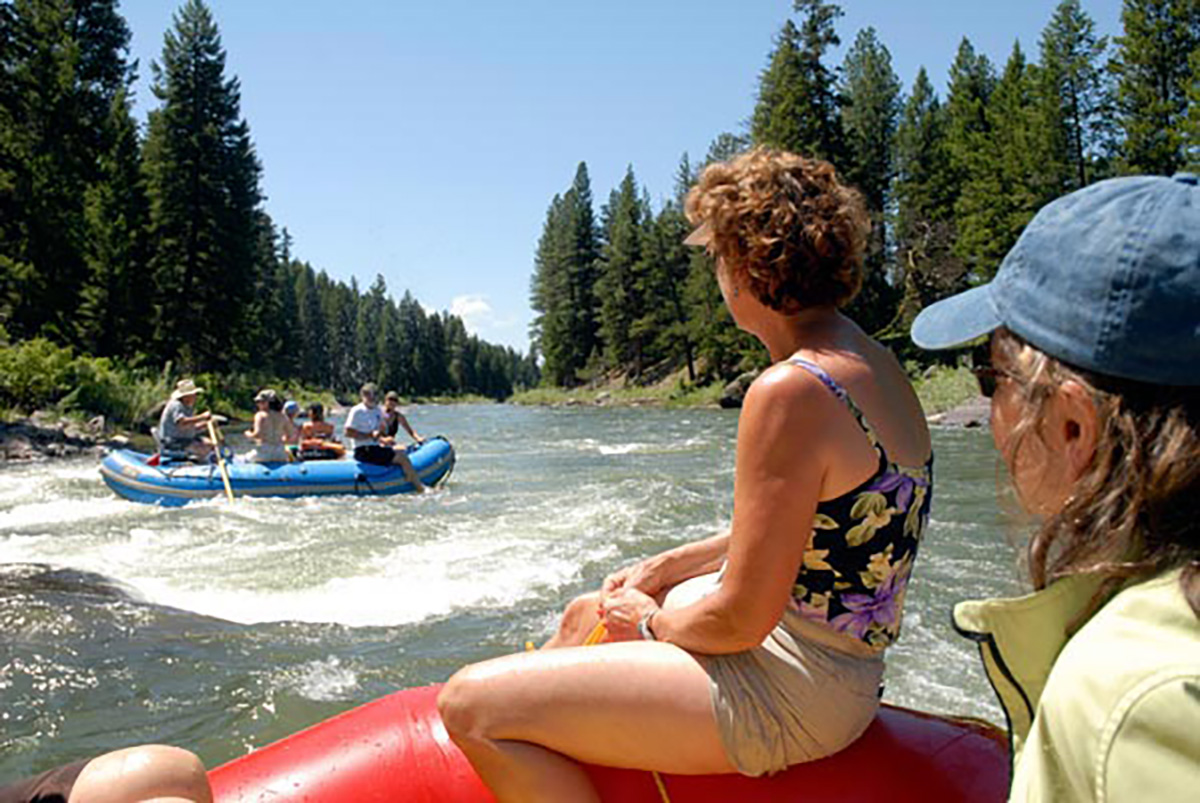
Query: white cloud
point(481, 320)
point(474, 310)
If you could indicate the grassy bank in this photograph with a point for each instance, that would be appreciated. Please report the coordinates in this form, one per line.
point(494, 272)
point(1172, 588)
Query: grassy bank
point(672, 394)
point(943, 388)
point(940, 388)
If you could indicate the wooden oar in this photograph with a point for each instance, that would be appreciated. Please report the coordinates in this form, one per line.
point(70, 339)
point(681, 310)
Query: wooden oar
point(212, 433)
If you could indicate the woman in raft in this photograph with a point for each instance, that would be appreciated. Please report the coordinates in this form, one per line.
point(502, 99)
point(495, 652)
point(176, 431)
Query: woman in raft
point(761, 647)
point(272, 430)
point(1093, 369)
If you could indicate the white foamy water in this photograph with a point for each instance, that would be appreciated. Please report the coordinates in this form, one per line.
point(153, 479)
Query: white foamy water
point(238, 612)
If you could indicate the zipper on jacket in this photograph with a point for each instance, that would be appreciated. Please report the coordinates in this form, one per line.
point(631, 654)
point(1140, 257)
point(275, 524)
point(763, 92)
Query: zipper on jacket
point(988, 642)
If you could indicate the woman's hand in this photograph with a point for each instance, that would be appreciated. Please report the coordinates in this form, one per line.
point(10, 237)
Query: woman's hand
point(622, 610)
point(641, 576)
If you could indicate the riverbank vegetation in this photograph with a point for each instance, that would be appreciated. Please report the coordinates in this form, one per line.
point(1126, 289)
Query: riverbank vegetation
point(939, 387)
point(950, 180)
point(38, 375)
point(129, 258)
point(142, 256)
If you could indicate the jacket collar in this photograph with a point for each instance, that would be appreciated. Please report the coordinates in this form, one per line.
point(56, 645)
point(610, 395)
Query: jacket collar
point(1019, 640)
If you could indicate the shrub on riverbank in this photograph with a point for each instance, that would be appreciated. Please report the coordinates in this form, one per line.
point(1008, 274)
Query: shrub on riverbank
point(679, 394)
point(940, 388)
point(37, 374)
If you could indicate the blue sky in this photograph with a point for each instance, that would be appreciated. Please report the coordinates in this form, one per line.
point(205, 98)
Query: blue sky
point(424, 140)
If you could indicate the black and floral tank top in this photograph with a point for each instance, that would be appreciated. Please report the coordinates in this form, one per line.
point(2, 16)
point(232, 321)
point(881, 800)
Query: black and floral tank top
point(860, 554)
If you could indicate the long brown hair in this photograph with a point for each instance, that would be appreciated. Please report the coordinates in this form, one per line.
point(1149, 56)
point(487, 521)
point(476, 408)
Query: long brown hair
point(1135, 512)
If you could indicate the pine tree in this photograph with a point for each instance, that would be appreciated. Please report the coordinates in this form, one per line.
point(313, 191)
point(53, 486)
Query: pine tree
point(869, 116)
point(64, 69)
point(927, 268)
point(582, 267)
point(549, 297)
point(312, 339)
point(972, 80)
point(797, 108)
point(115, 298)
point(1154, 79)
point(618, 285)
point(871, 93)
point(725, 147)
point(202, 178)
point(1192, 143)
point(563, 290)
point(1076, 94)
point(1004, 186)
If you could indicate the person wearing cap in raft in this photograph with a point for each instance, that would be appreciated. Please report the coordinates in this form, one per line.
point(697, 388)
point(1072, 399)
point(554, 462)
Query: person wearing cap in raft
point(761, 647)
point(180, 426)
point(271, 430)
point(291, 408)
point(1093, 370)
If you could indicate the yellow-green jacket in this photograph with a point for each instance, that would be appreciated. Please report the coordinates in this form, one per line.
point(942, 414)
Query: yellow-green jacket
point(1109, 714)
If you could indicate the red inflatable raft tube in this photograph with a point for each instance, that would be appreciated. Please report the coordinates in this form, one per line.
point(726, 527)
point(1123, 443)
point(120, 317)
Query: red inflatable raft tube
point(395, 750)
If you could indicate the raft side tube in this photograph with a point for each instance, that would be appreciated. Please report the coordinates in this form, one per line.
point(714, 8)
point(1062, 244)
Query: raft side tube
point(395, 750)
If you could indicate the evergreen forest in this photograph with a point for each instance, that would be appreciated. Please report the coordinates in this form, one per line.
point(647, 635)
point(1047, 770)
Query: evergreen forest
point(949, 179)
point(151, 248)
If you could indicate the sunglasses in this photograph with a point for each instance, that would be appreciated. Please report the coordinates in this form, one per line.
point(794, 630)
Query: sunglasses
point(987, 375)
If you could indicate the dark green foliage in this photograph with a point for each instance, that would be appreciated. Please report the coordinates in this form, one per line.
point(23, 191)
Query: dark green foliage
point(202, 181)
point(1005, 171)
point(926, 267)
point(159, 251)
point(1192, 132)
point(566, 329)
point(798, 98)
point(64, 72)
point(1076, 93)
point(871, 93)
point(620, 284)
point(1155, 75)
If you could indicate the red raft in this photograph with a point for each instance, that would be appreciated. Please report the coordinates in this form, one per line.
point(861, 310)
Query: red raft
point(395, 750)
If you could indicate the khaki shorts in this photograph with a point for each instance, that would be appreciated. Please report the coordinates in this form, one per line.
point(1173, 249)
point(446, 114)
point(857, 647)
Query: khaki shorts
point(805, 693)
point(52, 786)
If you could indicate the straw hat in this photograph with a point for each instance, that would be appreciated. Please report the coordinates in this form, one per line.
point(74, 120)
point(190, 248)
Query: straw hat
point(185, 387)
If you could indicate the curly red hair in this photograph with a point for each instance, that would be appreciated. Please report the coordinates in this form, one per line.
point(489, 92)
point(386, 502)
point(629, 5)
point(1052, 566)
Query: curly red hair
point(785, 223)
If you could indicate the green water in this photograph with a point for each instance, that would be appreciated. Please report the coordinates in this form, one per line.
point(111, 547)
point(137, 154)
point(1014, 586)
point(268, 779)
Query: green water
point(221, 628)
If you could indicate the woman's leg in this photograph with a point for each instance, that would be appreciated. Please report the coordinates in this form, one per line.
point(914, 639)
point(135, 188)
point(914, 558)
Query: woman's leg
point(638, 705)
point(579, 619)
point(146, 774)
point(410, 473)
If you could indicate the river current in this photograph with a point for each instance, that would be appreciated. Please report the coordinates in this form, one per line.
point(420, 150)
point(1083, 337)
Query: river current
point(221, 627)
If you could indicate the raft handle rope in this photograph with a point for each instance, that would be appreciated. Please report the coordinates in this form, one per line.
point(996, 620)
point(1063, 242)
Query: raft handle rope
point(598, 634)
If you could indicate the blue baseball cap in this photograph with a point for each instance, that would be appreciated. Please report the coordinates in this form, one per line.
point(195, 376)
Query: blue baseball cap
point(1106, 279)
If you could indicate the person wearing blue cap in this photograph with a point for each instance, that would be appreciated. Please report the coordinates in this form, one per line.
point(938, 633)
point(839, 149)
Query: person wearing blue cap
point(1093, 369)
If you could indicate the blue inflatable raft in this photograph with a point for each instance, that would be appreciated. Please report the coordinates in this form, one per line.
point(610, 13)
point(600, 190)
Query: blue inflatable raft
point(174, 484)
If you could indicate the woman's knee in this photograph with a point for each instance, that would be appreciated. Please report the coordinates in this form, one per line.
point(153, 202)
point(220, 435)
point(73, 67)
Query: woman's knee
point(461, 704)
point(141, 773)
point(582, 609)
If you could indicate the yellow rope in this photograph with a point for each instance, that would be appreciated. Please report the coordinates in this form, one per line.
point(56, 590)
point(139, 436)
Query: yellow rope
point(598, 634)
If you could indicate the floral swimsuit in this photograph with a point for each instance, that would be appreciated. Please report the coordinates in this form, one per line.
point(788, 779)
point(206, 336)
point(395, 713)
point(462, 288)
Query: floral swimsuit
point(861, 551)
point(812, 686)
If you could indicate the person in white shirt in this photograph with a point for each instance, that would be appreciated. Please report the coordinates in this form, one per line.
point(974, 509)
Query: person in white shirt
point(365, 431)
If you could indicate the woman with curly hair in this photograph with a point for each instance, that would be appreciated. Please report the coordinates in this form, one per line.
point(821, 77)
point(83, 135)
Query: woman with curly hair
point(1093, 369)
point(760, 647)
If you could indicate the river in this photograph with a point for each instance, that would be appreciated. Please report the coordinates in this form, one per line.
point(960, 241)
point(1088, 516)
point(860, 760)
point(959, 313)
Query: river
point(222, 627)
